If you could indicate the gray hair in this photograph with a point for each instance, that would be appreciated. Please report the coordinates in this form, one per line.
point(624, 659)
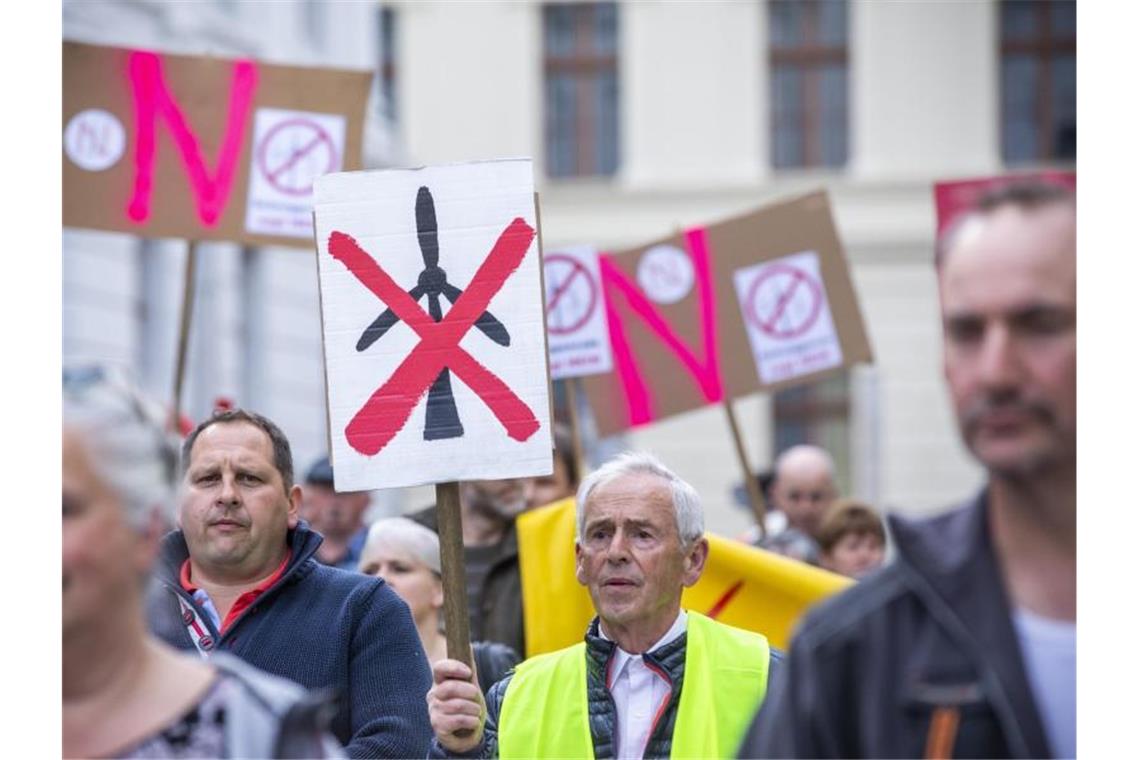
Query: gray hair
point(125, 437)
point(686, 501)
point(400, 532)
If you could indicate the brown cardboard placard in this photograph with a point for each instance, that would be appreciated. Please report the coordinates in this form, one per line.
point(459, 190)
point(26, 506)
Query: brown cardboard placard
point(202, 116)
point(680, 347)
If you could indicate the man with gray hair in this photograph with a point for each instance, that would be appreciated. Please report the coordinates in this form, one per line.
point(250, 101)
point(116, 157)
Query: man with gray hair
point(650, 679)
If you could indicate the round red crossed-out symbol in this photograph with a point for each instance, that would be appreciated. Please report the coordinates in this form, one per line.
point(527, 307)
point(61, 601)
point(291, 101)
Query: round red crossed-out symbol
point(567, 312)
point(286, 176)
point(792, 301)
point(388, 409)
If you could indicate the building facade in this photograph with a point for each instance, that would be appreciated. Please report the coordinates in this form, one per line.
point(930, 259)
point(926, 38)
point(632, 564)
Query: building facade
point(641, 117)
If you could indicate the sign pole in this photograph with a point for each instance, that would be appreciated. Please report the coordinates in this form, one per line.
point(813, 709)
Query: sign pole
point(188, 282)
point(575, 425)
point(456, 625)
point(751, 486)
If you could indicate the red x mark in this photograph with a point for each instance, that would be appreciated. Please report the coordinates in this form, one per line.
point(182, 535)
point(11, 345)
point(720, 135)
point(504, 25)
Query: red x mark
point(387, 410)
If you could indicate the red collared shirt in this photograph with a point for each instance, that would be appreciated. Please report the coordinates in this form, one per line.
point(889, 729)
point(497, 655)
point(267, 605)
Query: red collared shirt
point(247, 598)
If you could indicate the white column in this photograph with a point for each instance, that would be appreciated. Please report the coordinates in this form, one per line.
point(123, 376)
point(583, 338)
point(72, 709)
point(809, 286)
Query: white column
point(924, 90)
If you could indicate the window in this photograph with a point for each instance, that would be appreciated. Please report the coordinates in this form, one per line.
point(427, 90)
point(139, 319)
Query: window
point(581, 89)
point(387, 79)
point(807, 40)
point(816, 414)
point(1038, 81)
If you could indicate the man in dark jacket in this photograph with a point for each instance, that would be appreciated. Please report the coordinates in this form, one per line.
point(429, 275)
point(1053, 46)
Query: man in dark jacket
point(966, 645)
point(241, 576)
point(650, 680)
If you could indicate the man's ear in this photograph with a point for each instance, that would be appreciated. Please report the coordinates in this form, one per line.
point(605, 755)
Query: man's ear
point(695, 559)
point(578, 571)
point(294, 506)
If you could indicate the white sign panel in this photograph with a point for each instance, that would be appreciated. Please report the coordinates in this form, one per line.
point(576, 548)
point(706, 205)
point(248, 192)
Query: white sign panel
point(290, 150)
point(787, 317)
point(576, 314)
point(431, 308)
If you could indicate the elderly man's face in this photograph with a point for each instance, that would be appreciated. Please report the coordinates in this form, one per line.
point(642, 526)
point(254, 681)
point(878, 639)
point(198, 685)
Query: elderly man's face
point(235, 510)
point(803, 490)
point(630, 554)
point(1009, 312)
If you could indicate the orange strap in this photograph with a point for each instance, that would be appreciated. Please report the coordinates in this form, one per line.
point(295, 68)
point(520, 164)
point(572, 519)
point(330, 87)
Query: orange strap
point(943, 731)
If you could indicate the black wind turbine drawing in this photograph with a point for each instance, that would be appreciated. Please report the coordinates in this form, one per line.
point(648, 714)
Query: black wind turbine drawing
point(442, 416)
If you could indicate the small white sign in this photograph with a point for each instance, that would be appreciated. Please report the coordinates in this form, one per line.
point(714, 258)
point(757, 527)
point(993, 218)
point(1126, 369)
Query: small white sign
point(431, 311)
point(290, 150)
point(94, 139)
point(787, 317)
point(665, 273)
point(576, 328)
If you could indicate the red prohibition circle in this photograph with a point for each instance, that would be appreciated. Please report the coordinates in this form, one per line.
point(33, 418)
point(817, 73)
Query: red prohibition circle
point(769, 326)
point(576, 268)
point(320, 137)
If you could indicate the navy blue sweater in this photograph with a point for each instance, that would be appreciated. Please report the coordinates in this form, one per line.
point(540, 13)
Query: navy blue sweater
point(321, 627)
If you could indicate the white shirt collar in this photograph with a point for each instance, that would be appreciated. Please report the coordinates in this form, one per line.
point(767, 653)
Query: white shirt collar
point(621, 657)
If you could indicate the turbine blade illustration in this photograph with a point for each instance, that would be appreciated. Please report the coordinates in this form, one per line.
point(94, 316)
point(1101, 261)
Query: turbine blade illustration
point(487, 323)
point(383, 323)
point(426, 228)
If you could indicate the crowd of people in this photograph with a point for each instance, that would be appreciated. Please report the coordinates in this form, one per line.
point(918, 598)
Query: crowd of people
point(274, 621)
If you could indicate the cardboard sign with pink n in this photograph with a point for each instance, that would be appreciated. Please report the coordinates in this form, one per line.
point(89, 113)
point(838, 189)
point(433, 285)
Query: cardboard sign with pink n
point(203, 148)
point(759, 302)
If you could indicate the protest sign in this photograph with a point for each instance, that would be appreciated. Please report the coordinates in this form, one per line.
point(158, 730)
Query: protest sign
point(575, 314)
point(759, 302)
point(202, 148)
point(429, 395)
point(741, 585)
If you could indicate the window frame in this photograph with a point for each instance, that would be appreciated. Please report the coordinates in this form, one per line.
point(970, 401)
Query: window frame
point(809, 58)
point(582, 65)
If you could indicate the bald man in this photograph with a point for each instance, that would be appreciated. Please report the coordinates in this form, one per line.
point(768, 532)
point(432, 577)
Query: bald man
point(803, 487)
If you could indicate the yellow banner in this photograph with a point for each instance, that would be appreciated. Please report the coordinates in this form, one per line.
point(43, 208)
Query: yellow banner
point(741, 585)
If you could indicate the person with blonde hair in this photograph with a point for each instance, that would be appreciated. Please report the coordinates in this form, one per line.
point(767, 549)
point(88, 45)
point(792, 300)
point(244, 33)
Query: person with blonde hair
point(406, 555)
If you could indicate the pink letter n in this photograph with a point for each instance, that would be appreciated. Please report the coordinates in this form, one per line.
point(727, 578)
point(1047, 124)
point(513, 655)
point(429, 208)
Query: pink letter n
point(705, 370)
point(153, 99)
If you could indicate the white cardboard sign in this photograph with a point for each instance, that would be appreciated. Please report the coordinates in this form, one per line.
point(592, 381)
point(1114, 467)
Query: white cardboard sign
point(431, 308)
point(787, 317)
point(576, 313)
point(290, 150)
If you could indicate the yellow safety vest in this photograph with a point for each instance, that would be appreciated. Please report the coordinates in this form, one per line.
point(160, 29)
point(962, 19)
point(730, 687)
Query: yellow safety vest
point(545, 711)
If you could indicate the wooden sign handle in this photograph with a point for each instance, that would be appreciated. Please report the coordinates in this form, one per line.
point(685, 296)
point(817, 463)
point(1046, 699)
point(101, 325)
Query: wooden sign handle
point(751, 486)
point(188, 282)
point(455, 620)
point(456, 625)
point(575, 426)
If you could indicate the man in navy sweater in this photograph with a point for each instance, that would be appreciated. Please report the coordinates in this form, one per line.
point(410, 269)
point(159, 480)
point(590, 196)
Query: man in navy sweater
point(241, 576)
